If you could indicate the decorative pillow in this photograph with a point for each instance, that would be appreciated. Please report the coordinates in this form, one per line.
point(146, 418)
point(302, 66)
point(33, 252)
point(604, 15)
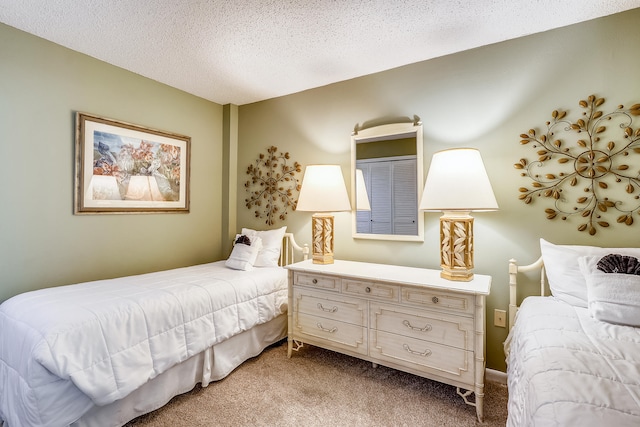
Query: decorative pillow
point(616, 263)
point(566, 281)
point(612, 297)
point(244, 253)
point(271, 245)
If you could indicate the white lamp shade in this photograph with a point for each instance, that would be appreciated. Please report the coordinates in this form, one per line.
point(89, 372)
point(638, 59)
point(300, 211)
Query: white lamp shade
point(457, 181)
point(143, 188)
point(323, 190)
point(103, 187)
point(362, 198)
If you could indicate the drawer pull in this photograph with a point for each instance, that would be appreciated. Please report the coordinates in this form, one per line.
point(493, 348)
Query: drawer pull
point(435, 300)
point(314, 281)
point(328, 310)
point(426, 353)
point(332, 330)
point(427, 328)
point(367, 289)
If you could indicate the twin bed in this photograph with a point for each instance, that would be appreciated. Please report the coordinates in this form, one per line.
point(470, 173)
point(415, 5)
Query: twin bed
point(573, 358)
point(103, 353)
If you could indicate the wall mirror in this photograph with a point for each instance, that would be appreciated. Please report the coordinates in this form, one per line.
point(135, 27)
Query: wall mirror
point(386, 164)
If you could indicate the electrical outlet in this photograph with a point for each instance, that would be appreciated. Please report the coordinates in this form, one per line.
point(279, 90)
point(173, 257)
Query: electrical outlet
point(500, 318)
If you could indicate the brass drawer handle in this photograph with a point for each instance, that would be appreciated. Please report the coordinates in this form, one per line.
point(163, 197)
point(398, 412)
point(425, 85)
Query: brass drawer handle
point(413, 328)
point(332, 330)
point(435, 300)
point(426, 353)
point(328, 310)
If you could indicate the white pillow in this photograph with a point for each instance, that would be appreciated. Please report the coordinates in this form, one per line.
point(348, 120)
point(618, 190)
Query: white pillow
point(271, 245)
point(612, 297)
point(243, 257)
point(566, 281)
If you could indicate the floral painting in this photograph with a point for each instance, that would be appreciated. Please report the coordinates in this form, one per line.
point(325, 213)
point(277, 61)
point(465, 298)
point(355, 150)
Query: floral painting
point(127, 168)
point(126, 158)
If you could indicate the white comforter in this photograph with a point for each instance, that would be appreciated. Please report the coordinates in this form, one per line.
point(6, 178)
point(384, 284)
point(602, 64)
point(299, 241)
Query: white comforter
point(567, 369)
point(63, 348)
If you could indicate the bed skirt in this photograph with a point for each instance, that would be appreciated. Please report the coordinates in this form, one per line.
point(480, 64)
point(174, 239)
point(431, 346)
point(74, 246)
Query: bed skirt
point(213, 364)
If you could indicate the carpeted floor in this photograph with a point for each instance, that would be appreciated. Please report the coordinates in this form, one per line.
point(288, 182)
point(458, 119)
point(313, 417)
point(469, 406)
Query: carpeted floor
point(317, 387)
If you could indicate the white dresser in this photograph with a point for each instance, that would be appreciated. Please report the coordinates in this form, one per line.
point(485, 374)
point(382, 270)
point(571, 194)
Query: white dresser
point(405, 318)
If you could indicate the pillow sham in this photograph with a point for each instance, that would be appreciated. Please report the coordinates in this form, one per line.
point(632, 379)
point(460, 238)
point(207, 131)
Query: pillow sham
point(271, 244)
point(243, 256)
point(612, 297)
point(566, 281)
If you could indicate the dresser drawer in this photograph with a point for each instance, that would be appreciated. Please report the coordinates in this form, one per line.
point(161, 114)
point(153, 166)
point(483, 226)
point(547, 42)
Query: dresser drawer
point(441, 328)
point(330, 306)
point(330, 283)
point(425, 356)
point(370, 289)
point(330, 333)
point(460, 303)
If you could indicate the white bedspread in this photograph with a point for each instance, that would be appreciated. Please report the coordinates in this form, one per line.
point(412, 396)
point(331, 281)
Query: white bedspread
point(63, 348)
point(567, 369)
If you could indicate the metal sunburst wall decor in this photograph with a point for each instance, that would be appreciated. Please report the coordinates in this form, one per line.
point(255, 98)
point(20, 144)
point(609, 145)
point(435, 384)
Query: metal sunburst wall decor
point(589, 168)
point(273, 186)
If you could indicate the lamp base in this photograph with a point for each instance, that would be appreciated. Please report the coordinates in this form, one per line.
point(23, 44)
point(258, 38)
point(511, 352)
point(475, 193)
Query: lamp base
point(322, 226)
point(456, 246)
point(456, 276)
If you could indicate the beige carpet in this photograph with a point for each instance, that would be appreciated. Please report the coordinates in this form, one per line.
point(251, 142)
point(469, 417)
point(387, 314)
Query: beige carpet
point(317, 387)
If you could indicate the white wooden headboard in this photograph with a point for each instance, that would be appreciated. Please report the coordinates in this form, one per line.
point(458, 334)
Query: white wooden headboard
point(289, 249)
point(514, 269)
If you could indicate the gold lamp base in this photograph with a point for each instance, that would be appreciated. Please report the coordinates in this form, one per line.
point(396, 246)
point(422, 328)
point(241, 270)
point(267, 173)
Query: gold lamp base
point(456, 246)
point(322, 225)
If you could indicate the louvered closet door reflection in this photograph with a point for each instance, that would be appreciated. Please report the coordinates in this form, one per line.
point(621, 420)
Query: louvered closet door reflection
point(381, 187)
point(405, 200)
point(392, 190)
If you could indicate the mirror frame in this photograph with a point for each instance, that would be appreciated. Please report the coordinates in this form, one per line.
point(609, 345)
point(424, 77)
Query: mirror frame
point(381, 133)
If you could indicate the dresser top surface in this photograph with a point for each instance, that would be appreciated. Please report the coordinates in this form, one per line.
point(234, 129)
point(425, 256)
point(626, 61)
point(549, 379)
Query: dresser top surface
point(480, 284)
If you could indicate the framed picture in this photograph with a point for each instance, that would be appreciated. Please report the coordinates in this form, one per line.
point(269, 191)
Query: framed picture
point(124, 168)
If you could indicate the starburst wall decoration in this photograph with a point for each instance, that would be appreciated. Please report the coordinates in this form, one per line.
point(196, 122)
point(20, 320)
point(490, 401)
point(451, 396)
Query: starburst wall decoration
point(589, 168)
point(273, 185)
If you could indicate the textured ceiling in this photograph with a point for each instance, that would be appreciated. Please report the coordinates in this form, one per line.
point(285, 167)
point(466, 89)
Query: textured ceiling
point(242, 51)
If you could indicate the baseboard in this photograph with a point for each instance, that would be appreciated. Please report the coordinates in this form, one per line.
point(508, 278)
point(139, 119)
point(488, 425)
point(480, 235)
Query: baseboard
point(495, 376)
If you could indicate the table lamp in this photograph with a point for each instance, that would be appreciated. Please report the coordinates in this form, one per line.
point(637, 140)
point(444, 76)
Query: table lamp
point(323, 191)
point(457, 184)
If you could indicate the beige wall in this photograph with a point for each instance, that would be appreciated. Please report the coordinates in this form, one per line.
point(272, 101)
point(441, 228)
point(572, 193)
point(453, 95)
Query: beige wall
point(483, 98)
point(41, 242)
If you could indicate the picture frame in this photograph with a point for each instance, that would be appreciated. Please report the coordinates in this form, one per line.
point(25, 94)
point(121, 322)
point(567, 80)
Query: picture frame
point(122, 168)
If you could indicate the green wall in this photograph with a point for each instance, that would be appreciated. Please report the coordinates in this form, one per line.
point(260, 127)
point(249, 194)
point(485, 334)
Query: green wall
point(42, 243)
point(393, 148)
point(482, 98)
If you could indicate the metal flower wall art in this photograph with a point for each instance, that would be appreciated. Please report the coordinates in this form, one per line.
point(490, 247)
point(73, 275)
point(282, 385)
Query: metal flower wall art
point(273, 186)
point(587, 168)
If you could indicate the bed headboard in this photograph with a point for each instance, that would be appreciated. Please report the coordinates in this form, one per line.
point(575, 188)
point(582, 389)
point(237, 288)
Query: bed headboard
point(514, 269)
point(290, 248)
